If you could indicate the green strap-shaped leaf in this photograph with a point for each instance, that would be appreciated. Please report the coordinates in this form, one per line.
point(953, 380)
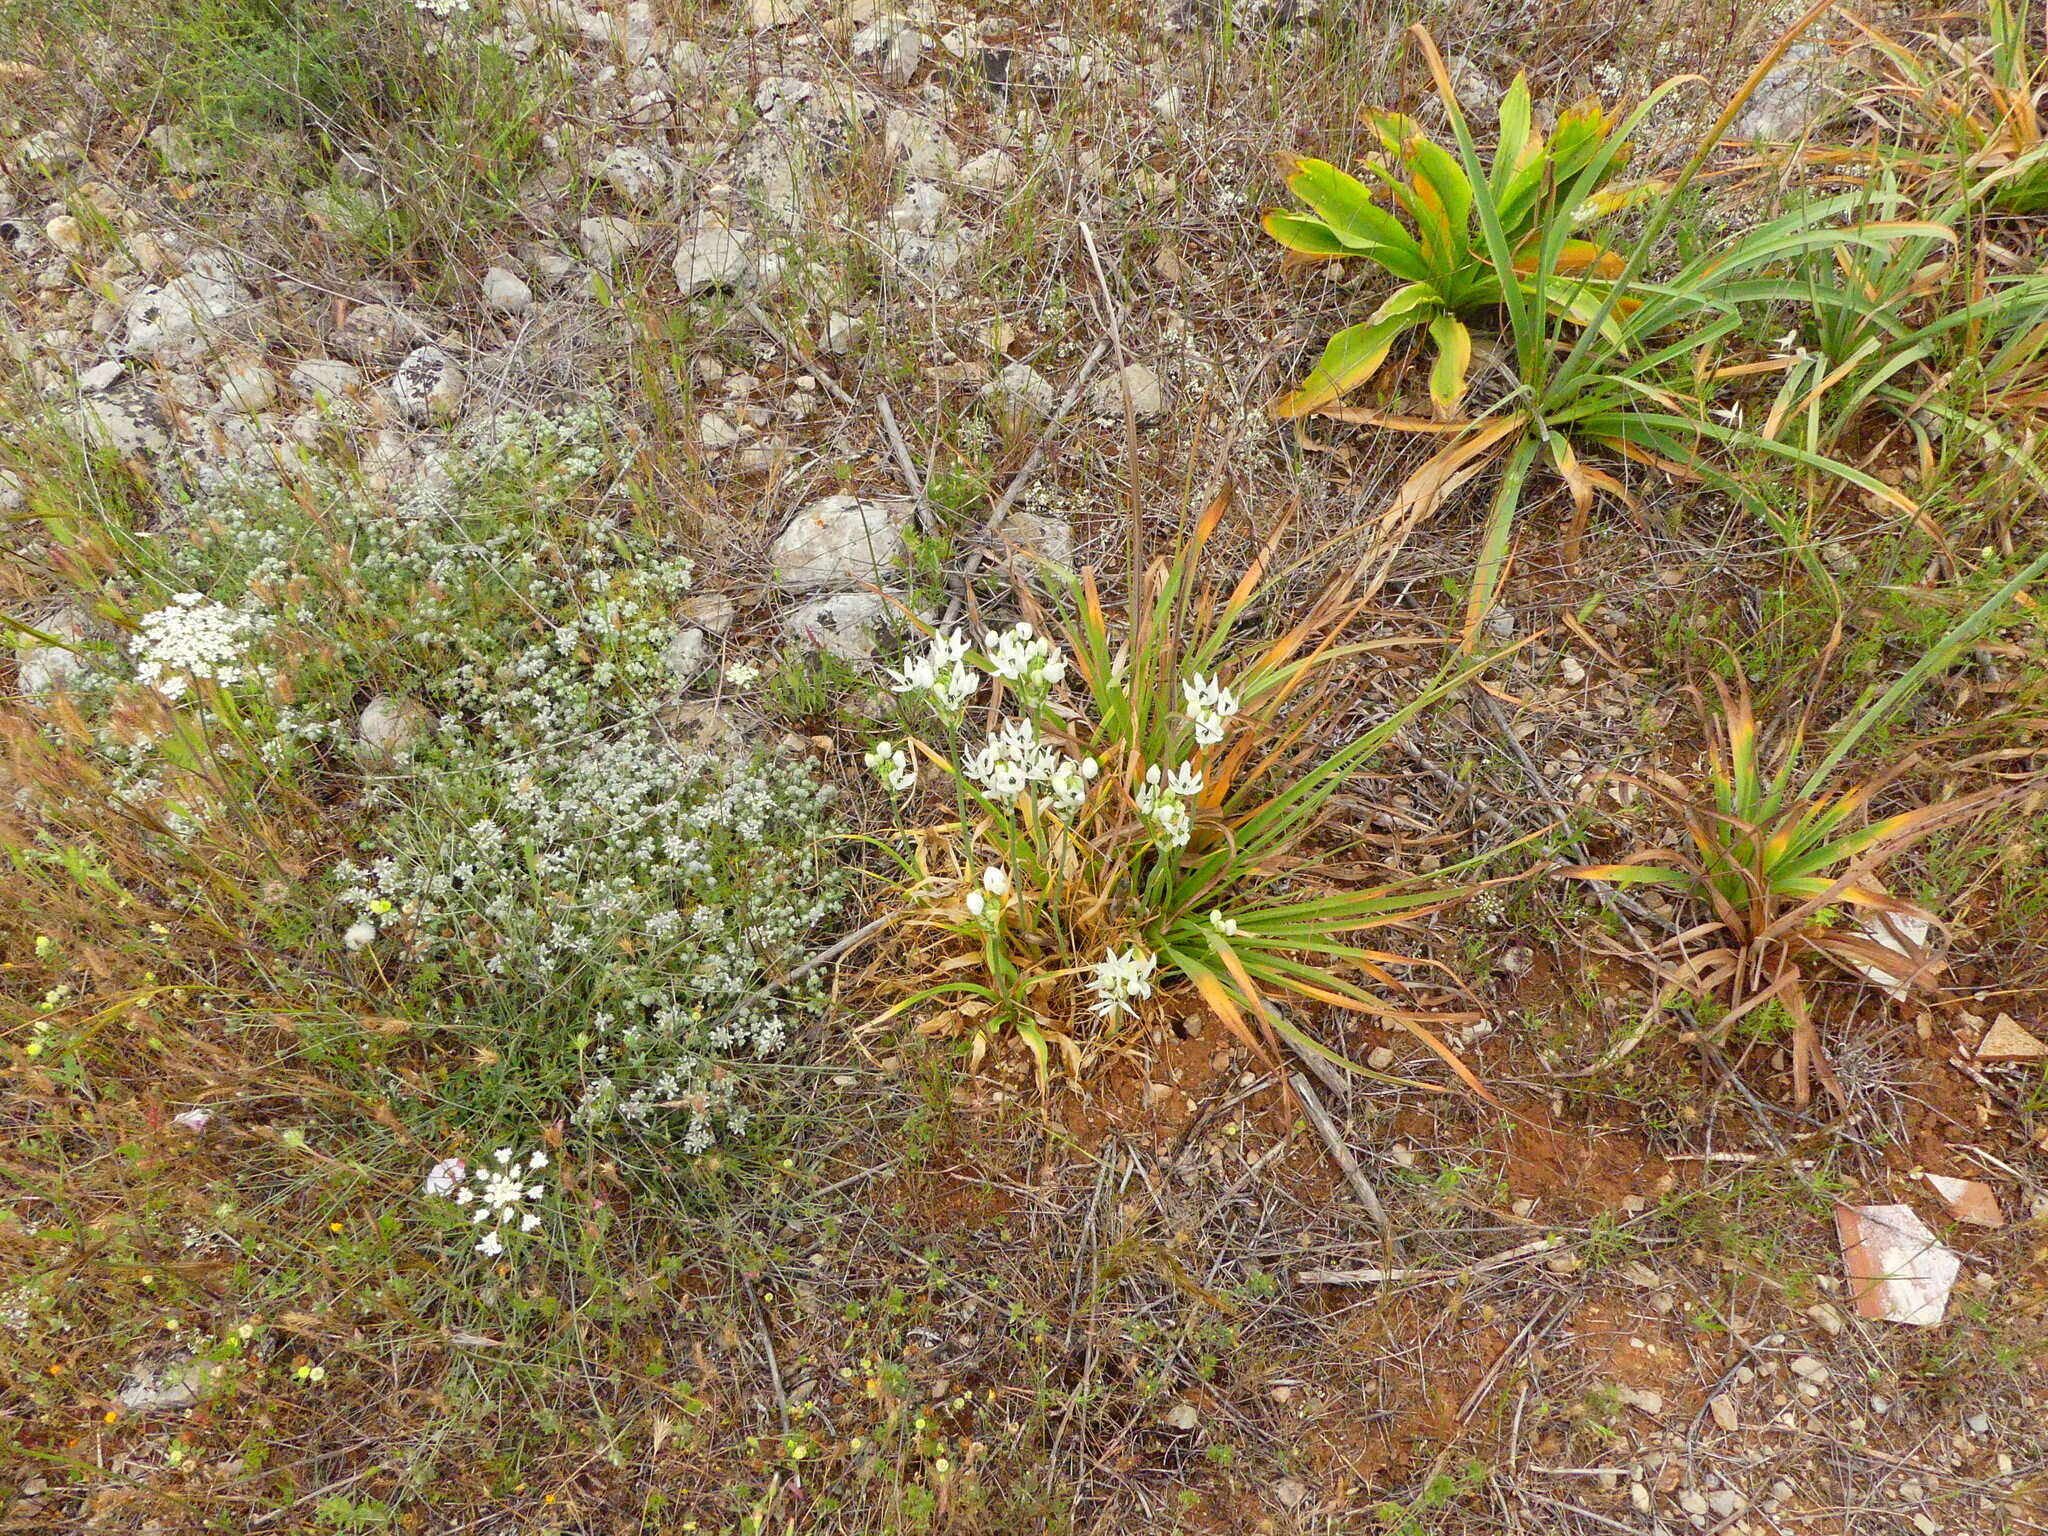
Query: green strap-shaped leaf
point(1346, 204)
point(1351, 357)
point(1311, 237)
point(1581, 131)
point(1514, 150)
point(1453, 357)
point(1493, 545)
point(1443, 192)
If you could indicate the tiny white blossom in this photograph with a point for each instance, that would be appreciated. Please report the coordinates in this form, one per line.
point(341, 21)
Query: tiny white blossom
point(1121, 980)
point(360, 936)
point(1011, 759)
point(1170, 820)
point(996, 881)
point(998, 774)
point(1158, 800)
point(1066, 788)
point(193, 1120)
point(1185, 780)
point(490, 1245)
point(1227, 926)
point(977, 905)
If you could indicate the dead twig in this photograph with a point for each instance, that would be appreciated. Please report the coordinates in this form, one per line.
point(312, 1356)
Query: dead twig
point(1532, 1330)
point(1347, 1164)
point(1383, 1276)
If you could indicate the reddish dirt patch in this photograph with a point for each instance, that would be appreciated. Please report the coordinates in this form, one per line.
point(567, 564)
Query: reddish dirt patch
point(1571, 1170)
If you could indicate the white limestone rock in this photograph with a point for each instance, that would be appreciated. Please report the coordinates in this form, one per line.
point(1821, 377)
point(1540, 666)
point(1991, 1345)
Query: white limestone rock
point(428, 386)
point(1147, 393)
point(506, 292)
point(636, 176)
point(1021, 395)
point(893, 45)
point(327, 380)
point(846, 625)
point(606, 241)
point(993, 170)
point(841, 541)
point(42, 669)
point(391, 727)
point(247, 385)
point(712, 259)
point(178, 321)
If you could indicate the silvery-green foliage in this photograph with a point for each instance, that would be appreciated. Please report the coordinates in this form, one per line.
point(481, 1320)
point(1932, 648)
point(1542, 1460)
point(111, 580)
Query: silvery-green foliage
point(546, 857)
point(636, 892)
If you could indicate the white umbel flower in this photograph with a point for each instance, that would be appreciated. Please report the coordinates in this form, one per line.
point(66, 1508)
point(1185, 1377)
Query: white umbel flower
point(1160, 802)
point(941, 673)
point(192, 639)
point(500, 1193)
point(891, 766)
point(1121, 980)
point(1029, 663)
point(1209, 706)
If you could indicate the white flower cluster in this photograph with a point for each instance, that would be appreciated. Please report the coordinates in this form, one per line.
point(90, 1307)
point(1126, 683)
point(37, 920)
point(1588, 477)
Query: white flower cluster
point(441, 8)
point(550, 856)
point(1015, 757)
point(1209, 706)
point(1011, 759)
point(503, 1191)
point(942, 674)
point(553, 854)
point(1163, 802)
point(190, 638)
point(892, 767)
point(987, 899)
point(1122, 979)
point(1030, 664)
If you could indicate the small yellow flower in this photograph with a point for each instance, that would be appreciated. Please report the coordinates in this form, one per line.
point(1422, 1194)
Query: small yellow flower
point(334, 1226)
point(110, 1416)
